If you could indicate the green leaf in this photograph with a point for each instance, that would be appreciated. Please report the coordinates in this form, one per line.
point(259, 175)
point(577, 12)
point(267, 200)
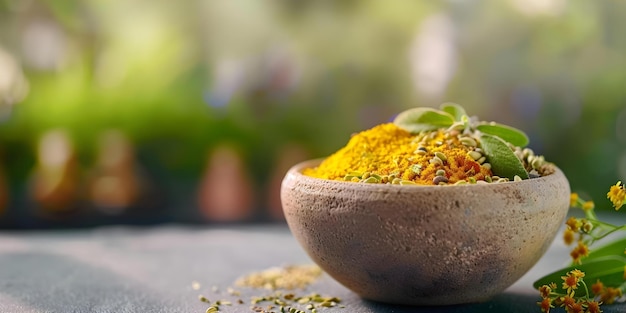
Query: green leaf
point(503, 161)
point(614, 248)
point(454, 109)
point(423, 119)
point(507, 133)
point(609, 270)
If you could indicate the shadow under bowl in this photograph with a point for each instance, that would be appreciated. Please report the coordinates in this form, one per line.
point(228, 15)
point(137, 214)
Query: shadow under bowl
point(424, 245)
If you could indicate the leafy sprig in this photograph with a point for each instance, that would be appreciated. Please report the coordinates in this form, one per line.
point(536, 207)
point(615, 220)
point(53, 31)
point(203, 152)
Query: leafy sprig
point(498, 141)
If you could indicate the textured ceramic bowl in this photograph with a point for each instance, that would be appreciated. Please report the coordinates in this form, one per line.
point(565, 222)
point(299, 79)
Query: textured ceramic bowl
point(424, 245)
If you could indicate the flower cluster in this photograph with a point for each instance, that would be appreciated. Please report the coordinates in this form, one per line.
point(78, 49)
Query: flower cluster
point(582, 228)
point(607, 265)
point(568, 300)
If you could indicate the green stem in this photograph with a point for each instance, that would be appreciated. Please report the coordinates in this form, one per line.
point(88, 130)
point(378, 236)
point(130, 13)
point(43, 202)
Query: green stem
point(614, 229)
point(591, 215)
point(586, 289)
point(601, 223)
point(558, 294)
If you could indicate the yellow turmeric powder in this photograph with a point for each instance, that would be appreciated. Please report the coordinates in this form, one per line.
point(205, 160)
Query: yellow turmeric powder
point(389, 154)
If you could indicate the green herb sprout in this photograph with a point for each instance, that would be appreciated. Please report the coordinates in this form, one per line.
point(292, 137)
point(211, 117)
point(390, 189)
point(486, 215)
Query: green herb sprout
point(499, 142)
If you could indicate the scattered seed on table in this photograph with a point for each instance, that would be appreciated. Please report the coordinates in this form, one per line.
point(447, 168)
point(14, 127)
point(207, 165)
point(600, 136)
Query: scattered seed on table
point(195, 285)
point(279, 279)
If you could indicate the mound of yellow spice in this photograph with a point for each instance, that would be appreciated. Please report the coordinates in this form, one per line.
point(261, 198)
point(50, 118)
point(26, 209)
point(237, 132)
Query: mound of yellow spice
point(389, 154)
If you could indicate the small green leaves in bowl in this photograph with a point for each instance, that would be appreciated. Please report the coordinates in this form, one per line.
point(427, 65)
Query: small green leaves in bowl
point(454, 109)
point(501, 144)
point(503, 160)
point(509, 134)
point(423, 119)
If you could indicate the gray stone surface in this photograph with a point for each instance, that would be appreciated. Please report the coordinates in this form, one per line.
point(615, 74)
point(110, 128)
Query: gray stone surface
point(123, 269)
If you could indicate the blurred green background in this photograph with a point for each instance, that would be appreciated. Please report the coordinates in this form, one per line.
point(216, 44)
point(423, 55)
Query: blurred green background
point(189, 85)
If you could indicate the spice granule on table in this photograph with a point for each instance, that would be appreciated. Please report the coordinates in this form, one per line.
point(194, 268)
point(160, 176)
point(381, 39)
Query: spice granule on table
point(287, 277)
point(283, 284)
point(389, 154)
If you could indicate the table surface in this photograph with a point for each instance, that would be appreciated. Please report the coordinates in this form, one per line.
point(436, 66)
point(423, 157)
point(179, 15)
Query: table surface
point(130, 269)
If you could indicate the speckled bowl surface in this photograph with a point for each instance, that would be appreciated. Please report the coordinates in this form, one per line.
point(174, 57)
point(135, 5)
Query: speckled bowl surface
point(424, 245)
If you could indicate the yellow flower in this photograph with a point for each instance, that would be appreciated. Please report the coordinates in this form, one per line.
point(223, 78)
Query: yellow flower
point(575, 256)
point(593, 307)
point(545, 291)
point(610, 294)
point(617, 195)
point(568, 236)
point(545, 305)
point(597, 288)
point(583, 249)
point(573, 199)
point(570, 282)
point(567, 302)
point(574, 308)
point(577, 273)
point(574, 224)
point(589, 205)
point(579, 251)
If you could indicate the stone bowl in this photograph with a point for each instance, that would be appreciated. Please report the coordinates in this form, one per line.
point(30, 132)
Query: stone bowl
point(424, 245)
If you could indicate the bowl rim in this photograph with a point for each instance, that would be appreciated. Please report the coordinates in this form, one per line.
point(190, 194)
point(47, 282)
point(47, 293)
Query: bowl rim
point(295, 172)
